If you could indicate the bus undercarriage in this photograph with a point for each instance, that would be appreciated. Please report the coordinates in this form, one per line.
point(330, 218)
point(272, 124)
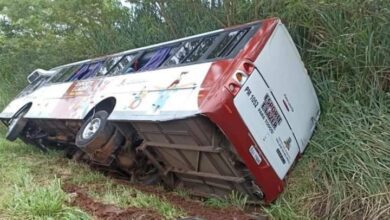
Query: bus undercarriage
point(191, 153)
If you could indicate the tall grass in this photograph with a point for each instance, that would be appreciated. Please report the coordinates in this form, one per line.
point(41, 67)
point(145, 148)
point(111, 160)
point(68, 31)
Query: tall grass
point(345, 172)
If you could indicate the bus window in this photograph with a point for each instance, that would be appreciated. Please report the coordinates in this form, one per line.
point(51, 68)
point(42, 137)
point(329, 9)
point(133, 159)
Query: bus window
point(234, 42)
point(64, 74)
point(86, 71)
point(122, 66)
point(182, 53)
point(142, 61)
point(227, 44)
point(154, 59)
point(200, 49)
point(108, 65)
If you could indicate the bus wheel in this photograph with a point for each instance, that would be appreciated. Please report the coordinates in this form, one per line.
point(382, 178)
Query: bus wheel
point(16, 126)
point(94, 133)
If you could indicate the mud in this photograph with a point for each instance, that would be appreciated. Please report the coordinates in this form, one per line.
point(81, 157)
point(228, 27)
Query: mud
point(195, 208)
point(104, 211)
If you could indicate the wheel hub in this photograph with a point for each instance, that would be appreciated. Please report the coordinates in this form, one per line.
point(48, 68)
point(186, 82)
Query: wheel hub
point(91, 128)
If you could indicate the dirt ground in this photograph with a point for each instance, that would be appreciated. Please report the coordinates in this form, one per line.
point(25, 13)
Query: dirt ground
point(195, 209)
point(103, 211)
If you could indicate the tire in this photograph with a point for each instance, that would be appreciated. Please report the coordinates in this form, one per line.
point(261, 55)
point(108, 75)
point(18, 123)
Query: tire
point(17, 125)
point(93, 139)
point(102, 155)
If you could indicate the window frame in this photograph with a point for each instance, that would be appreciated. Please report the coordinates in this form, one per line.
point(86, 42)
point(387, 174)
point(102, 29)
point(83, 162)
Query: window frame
point(219, 36)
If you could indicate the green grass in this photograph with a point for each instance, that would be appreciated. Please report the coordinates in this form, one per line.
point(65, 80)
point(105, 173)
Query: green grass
point(32, 182)
point(182, 192)
point(42, 202)
point(345, 171)
point(233, 199)
point(27, 195)
point(125, 196)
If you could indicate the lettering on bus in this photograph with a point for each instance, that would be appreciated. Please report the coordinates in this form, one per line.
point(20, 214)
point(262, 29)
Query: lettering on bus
point(280, 155)
point(283, 151)
point(266, 110)
point(271, 112)
point(252, 98)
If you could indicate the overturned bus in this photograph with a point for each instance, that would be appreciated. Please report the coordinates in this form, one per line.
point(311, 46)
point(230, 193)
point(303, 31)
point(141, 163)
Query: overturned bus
point(228, 110)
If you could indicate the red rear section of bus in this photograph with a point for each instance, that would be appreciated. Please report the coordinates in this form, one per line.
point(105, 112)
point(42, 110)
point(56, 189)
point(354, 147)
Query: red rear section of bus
point(260, 124)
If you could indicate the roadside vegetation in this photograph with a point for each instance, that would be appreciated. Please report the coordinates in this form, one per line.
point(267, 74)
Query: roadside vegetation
point(35, 185)
point(345, 45)
point(29, 187)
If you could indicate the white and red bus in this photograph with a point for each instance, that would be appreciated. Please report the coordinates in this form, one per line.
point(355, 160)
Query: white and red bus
point(228, 110)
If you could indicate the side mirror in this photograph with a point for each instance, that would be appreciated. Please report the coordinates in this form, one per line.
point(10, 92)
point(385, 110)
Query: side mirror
point(39, 73)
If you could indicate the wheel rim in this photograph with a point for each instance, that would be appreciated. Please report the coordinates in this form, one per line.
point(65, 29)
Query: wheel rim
point(91, 128)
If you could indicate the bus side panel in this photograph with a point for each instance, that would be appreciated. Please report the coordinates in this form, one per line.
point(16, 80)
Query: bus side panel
point(157, 95)
point(68, 100)
point(13, 107)
point(43, 96)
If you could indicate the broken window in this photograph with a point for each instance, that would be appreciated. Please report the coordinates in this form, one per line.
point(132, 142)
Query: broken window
point(228, 43)
point(200, 49)
point(123, 66)
point(182, 53)
point(108, 65)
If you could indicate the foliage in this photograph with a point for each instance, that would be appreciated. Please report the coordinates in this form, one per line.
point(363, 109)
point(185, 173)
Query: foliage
point(27, 193)
point(345, 45)
point(125, 196)
point(32, 189)
point(235, 199)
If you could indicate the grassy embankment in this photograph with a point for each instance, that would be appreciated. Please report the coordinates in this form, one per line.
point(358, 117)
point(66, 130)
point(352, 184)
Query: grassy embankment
point(345, 171)
point(32, 185)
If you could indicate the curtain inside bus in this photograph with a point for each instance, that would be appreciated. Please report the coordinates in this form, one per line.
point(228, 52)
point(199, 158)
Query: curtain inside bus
point(85, 71)
point(158, 58)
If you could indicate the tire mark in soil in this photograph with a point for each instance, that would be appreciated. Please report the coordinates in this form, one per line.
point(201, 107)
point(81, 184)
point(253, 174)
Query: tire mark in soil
point(195, 208)
point(104, 211)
